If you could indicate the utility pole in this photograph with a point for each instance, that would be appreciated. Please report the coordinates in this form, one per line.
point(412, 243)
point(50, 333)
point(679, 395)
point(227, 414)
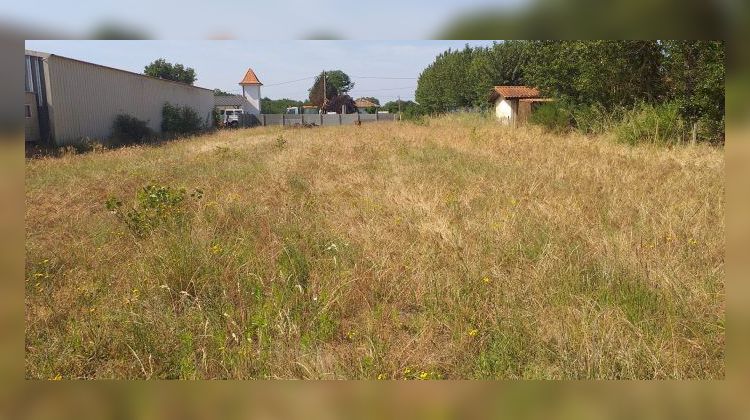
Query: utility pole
point(324, 92)
point(399, 107)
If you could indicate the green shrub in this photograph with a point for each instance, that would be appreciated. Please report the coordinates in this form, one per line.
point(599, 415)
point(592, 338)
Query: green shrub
point(412, 113)
point(129, 129)
point(553, 116)
point(216, 117)
point(711, 129)
point(656, 124)
point(180, 120)
point(155, 206)
point(595, 119)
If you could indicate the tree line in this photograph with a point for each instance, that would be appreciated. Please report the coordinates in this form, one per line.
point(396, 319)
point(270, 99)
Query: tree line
point(588, 79)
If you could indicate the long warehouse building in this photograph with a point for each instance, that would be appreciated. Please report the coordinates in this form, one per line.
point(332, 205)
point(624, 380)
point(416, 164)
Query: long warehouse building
point(68, 101)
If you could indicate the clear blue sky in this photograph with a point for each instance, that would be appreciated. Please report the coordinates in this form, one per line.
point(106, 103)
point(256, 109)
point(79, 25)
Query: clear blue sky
point(222, 64)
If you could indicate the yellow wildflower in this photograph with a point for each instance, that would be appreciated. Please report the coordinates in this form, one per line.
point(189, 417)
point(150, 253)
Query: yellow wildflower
point(57, 377)
point(381, 376)
point(407, 371)
point(423, 375)
point(486, 280)
point(473, 332)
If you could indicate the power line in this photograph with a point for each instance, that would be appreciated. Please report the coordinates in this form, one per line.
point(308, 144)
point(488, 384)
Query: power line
point(378, 90)
point(378, 77)
point(290, 81)
point(352, 77)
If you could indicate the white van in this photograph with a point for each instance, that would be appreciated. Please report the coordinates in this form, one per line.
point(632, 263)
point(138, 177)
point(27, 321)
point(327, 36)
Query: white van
point(230, 117)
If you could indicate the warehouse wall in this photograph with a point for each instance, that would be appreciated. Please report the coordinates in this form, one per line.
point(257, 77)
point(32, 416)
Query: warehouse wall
point(31, 122)
point(84, 99)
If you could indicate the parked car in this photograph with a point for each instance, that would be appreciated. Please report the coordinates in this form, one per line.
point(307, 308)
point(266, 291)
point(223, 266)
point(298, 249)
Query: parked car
point(230, 117)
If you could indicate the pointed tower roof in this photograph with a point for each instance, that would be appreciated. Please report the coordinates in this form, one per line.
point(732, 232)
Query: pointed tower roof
point(250, 78)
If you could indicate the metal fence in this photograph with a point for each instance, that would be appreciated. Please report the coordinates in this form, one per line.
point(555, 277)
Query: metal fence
point(250, 120)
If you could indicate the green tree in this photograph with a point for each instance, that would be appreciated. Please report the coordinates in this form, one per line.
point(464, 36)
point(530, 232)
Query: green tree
point(336, 82)
point(219, 92)
point(277, 106)
point(444, 85)
point(695, 73)
point(408, 108)
point(501, 64)
point(163, 69)
point(607, 73)
point(338, 102)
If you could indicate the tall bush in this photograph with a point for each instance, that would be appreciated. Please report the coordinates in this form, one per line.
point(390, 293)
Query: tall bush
point(553, 116)
point(655, 124)
point(180, 120)
point(128, 129)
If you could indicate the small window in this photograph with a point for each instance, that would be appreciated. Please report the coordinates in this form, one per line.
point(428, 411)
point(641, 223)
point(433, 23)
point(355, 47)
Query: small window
point(230, 112)
point(221, 112)
point(27, 110)
point(239, 111)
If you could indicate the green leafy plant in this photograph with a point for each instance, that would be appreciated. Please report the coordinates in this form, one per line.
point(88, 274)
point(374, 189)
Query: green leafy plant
point(216, 118)
point(656, 124)
point(553, 117)
point(177, 72)
point(180, 120)
point(155, 206)
point(129, 129)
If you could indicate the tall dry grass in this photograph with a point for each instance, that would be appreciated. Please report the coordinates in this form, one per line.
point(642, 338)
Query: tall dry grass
point(451, 249)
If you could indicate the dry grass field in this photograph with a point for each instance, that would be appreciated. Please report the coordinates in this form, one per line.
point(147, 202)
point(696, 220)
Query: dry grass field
point(455, 248)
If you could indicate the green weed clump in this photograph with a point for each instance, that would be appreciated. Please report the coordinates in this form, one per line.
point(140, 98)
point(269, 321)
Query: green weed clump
point(655, 124)
point(155, 206)
point(553, 117)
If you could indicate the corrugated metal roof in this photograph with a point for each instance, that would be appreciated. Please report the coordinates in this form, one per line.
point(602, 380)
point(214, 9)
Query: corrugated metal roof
point(250, 78)
point(37, 53)
point(230, 100)
point(48, 55)
point(87, 98)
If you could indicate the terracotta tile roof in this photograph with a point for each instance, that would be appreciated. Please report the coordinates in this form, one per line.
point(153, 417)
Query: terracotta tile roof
point(536, 100)
point(513, 92)
point(365, 103)
point(250, 78)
